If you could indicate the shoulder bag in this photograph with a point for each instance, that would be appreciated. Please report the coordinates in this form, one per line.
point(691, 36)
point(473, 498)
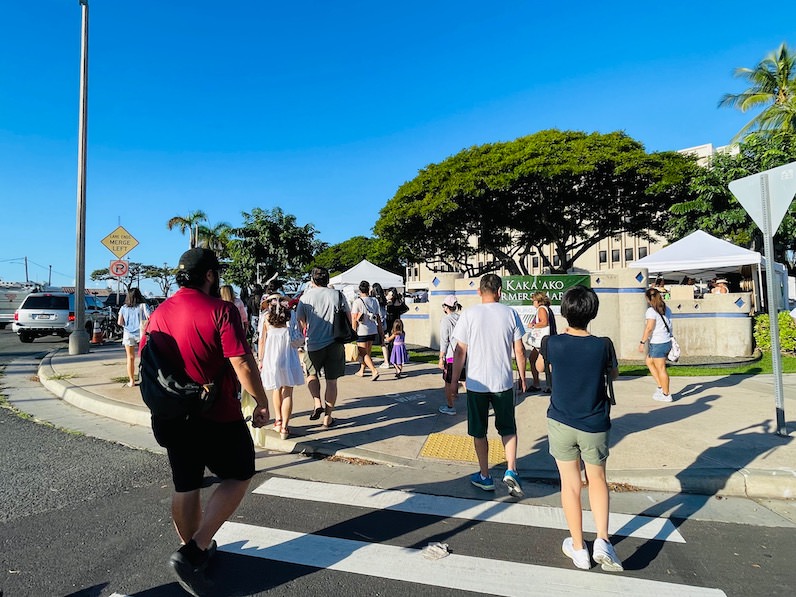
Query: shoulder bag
point(342, 330)
point(167, 390)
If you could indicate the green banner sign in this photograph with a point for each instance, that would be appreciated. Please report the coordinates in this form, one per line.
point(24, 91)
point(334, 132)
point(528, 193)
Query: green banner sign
point(517, 290)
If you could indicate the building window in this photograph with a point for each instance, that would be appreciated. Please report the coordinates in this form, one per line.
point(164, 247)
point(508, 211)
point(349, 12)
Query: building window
point(535, 261)
point(603, 256)
point(642, 252)
point(628, 254)
point(615, 255)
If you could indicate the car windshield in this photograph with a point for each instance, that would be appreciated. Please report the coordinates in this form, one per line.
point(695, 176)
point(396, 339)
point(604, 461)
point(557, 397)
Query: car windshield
point(46, 301)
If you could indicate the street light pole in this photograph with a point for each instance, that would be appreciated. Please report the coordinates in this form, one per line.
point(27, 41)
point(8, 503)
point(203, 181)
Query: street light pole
point(78, 340)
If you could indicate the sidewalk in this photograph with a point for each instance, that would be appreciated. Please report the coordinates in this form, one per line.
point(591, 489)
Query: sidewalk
point(716, 438)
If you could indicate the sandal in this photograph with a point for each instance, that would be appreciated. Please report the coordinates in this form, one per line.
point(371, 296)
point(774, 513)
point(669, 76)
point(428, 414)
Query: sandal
point(330, 424)
point(316, 414)
point(284, 433)
point(375, 377)
point(277, 425)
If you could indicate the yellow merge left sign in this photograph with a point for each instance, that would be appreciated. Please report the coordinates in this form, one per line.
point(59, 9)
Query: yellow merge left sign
point(120, 242)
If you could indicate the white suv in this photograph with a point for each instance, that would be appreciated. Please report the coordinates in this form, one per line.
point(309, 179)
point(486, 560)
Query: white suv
point(53, 313)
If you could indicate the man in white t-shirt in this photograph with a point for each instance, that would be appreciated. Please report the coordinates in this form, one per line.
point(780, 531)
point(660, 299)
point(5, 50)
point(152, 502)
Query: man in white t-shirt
point(485, 336)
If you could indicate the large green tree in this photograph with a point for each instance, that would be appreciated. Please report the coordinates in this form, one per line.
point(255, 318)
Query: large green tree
point(270, 242)
point(490, 206)
point(347, 254)
point(165, 277)
point(773, 88)
point(713, 208)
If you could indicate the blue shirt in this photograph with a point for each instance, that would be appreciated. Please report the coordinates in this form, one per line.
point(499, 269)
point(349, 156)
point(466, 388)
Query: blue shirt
point(579, 398)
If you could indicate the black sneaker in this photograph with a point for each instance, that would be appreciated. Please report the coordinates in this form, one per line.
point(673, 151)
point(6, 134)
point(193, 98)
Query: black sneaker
point(191, 576)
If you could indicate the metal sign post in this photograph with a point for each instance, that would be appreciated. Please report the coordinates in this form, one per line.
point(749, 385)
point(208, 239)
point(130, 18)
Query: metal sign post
point(767, 205)
point(773, 312)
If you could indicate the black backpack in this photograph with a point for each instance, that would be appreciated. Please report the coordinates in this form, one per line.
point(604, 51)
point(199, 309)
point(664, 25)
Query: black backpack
point(166, 389)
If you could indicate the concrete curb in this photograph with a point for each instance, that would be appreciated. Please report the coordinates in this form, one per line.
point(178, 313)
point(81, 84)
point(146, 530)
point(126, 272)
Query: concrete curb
point(89, 401)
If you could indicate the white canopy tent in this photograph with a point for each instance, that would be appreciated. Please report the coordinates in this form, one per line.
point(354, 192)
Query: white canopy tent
point(701, 255)
point(349, 280)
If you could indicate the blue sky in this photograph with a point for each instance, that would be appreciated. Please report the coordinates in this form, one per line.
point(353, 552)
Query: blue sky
point(325, 108)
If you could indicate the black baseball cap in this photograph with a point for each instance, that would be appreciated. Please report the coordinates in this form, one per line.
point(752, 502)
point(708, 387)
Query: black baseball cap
point(198, 261)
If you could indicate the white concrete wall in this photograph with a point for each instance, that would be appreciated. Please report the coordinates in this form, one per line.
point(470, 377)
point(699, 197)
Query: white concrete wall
point(718, 325)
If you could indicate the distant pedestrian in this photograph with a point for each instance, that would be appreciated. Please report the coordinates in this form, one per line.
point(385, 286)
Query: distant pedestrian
point(578, 423)
point(542, 324)
point(366, 320)
point(315, 314)
point(450, 307)
point(486, 336)
point(280, 367)
point(395, 308)
point(199, 333)
point(399, 356)
point(228, 294)
point(377, 292)
point(133, 317)
point(658, 331)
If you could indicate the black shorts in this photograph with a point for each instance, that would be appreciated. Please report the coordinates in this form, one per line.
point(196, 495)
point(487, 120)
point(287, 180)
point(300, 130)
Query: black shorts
point(447, 372)
point(192, 444)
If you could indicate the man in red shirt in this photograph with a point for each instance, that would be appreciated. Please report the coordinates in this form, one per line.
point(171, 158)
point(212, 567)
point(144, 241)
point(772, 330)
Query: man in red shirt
point(198, 331)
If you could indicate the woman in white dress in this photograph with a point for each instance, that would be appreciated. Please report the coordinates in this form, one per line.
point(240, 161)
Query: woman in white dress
point(280, 367)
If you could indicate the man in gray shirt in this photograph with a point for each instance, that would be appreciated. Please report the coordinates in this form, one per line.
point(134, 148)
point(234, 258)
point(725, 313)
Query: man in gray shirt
point(315, 314)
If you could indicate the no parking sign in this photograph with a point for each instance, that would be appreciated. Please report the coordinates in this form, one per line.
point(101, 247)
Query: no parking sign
point(119, 268)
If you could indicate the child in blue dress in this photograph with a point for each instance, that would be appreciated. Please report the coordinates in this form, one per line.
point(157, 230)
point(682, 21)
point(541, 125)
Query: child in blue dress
point(398, 355)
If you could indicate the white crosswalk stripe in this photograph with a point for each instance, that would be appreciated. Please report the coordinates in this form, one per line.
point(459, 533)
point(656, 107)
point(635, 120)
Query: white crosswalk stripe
point(467, 573)
point(642, 527)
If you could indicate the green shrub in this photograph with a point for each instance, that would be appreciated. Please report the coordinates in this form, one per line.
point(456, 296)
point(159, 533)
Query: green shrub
point(787, 332)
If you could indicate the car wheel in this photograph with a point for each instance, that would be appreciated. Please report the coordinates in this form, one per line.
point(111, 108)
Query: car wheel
point(26, 338)
point(3, 326)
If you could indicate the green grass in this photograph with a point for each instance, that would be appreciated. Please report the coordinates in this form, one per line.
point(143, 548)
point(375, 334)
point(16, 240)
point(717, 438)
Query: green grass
point(764, 365)
point(62, 376)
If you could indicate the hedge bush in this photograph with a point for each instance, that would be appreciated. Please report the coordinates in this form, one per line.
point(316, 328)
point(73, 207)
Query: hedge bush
point(787, 332)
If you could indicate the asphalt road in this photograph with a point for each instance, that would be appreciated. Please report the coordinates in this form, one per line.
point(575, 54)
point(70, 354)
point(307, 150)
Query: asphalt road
point(80, 516)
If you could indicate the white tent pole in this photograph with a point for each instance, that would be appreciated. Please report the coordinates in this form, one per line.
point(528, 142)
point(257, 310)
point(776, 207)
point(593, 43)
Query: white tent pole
point(760, 288)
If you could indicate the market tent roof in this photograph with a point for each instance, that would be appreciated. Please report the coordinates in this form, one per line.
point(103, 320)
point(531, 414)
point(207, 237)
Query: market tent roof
point(365, 270)
point(699, 253)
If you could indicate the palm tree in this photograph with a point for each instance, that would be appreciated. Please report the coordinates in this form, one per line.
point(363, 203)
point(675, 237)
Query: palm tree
point(773, 85)
point(215, 237)
point(189, 223)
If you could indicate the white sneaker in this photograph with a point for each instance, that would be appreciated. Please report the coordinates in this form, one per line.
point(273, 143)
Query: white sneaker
point(605, 555)
point(662, 397)
point(579, 557)
point(447, 410)
point(657, 393)
point(385, 365)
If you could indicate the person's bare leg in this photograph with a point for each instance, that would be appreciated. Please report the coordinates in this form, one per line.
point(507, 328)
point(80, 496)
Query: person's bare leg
point(276, 398)
point(598, 498)
point(314, 386)
point(287, 405)
point(186, 513)
point(130, 350)
point(569, 472)
point(510, 448)
point(361, 350)
point(663, 375)
point(331, 398)
point(222, 504)
point(367, 359)
point(653, 367)
point(534, 372)
point(482, 452)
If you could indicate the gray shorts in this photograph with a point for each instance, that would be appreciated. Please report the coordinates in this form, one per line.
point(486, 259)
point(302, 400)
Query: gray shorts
point(568, 443)
point(129, 339)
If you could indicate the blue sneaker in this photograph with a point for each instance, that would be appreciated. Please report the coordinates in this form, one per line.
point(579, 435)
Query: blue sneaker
point(487, 484)
point(512, 481)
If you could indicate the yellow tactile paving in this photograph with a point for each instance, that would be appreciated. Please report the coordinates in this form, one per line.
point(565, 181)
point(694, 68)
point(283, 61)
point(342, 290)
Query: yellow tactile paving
point(445, 446)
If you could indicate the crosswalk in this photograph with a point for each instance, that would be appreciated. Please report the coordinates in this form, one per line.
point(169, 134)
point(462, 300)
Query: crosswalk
point(457, 571)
